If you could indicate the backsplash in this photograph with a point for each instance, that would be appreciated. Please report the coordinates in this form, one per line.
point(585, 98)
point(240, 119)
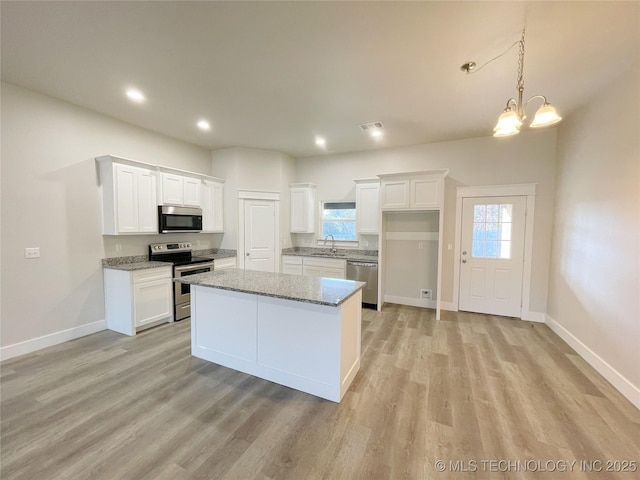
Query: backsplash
point(133, 245)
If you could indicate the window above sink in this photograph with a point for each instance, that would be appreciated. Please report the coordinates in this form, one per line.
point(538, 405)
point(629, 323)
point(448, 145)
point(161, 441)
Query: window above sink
point(339, 220)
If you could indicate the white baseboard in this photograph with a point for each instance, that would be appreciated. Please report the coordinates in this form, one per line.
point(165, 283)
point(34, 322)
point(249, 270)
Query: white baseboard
point(56, 338)
point(449, 306)
point(533, 316)
point(412, 302)
point(624, 386)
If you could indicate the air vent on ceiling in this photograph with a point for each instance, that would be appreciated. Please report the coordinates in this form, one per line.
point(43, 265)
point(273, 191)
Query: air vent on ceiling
point(367, 127)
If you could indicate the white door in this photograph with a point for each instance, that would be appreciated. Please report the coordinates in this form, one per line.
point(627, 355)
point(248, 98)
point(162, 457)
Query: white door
point(492, 255)
point(260, 235)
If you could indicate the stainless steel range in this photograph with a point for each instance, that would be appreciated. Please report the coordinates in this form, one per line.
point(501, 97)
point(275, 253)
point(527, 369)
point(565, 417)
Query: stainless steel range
point(184, 263)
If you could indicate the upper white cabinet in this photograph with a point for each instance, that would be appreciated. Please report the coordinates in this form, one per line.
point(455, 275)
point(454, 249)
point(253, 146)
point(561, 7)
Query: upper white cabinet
point(303, 204)
point(212, 204)
point(180, 190)
point(412, 191)
point(367, 206)
point(129, 196)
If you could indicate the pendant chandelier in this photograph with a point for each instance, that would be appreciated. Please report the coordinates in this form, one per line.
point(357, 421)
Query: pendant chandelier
point(514, 114)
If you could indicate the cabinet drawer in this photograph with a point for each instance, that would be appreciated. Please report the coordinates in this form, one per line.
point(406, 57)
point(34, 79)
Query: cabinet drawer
point(151, 274)
point(324, 262)
point(289, 260)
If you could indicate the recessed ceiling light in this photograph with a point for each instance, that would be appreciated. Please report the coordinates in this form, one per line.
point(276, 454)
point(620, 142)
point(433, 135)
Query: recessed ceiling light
point(135, 95)
point(203, 125)
point(376, 133)
point(321, 142)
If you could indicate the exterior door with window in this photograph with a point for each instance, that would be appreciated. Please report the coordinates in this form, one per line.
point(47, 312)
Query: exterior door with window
point(259, 235)
point(492, 255)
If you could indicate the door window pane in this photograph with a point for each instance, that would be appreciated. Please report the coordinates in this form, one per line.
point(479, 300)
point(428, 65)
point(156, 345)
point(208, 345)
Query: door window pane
point(492, 231)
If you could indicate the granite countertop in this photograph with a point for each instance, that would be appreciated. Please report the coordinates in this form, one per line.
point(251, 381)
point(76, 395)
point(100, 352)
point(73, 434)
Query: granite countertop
point(132, 266)
point(218, 254)
point(344, 254)
point(321, 291)
point(140, 262)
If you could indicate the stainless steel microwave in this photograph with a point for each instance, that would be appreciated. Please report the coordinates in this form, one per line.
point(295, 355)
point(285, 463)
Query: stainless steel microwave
point(179, 219)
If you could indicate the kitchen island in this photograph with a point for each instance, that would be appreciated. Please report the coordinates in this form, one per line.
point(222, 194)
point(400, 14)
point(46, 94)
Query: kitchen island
point(301, 332)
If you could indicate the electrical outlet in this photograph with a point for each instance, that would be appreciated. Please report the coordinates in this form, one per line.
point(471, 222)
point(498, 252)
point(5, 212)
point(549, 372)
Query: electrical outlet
point(33, 252)
point(118, 247)
point(420, 245)
point(424, 293)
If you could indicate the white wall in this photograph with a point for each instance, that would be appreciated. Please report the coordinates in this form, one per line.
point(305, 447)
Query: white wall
point(594, 287)
point(411, 257)
point(255, 170)
point(50, 199)
point(526, 158)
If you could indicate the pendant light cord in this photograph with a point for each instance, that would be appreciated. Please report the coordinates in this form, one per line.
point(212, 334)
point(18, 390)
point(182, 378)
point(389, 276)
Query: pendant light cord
point(521, 42)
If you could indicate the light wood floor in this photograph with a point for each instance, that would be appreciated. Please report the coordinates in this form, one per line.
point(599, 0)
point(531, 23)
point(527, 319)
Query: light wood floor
point(470, 388)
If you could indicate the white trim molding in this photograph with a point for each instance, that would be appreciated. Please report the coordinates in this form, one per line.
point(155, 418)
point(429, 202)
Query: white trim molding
point(412, 302)
point(448, 306)
point(615, 378)
point(497, 190)
point(258, 195)
point(29, 346)
point(527, 190)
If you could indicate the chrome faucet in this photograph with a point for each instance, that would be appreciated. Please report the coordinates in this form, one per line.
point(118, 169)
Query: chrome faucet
point(333, 243)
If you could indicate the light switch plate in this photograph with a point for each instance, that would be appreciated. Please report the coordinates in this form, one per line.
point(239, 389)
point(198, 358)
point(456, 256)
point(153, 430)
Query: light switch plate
point(32, 252)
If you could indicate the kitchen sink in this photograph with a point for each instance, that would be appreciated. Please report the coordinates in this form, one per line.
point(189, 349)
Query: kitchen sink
point(327, 255)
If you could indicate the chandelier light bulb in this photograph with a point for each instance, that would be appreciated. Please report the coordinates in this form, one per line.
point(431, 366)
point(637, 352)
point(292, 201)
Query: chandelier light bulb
point(545, 116)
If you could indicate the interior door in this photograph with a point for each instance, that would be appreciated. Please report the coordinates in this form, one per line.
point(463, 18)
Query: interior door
point(492, 255)
point(259, 235)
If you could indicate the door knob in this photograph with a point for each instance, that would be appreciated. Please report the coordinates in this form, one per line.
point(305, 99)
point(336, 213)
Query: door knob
point(464, 260)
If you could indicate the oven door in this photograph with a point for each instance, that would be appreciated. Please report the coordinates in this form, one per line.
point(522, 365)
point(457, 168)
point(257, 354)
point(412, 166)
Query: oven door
point(179, 219)
point(181, 295)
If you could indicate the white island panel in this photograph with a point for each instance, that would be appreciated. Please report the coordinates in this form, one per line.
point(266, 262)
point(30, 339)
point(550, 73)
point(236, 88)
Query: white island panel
point(231, 332)
point(309, 347)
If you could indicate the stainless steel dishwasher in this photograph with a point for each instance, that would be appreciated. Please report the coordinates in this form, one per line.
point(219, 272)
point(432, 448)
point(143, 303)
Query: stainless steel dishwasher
point(365, 272)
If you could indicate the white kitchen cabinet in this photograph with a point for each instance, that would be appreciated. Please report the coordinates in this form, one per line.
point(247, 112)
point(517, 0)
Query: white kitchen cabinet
point(395, 194)
point(412, 191)
point(191, 192)
point(135, 300)
point(324, 267)
point(292, 265)
point(367, 207)
point(129, 197)
point(303, 206)
point(225, 263)
point(212, 204)
point(180, 190)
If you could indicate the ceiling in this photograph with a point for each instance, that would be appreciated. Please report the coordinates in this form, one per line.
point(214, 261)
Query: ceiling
point(274, 75)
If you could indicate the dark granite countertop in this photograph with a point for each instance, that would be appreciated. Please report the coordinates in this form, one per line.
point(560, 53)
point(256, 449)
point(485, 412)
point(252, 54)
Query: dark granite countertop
point(321, 291)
